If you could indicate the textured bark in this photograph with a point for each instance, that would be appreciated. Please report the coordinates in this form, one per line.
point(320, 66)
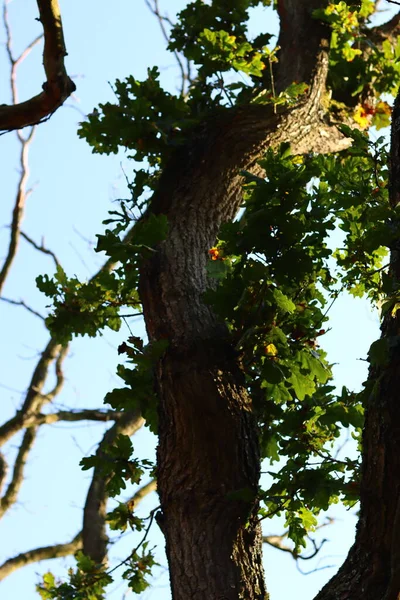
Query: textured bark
point(208, 448)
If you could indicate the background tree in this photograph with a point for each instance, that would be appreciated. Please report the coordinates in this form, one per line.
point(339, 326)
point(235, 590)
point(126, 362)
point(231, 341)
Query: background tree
point(273, 312)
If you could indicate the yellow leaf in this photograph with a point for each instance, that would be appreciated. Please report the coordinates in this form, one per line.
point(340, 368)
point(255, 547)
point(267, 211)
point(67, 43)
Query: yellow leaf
point(271, 350)
point(361, 117)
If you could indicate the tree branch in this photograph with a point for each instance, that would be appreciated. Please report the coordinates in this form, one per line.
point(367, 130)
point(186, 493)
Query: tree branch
point(23, 304)
point(14, 486)
point(94, 535)
point(141, 493)
point(38, 554)
point(58, 85)
point(40, 248)
point(59, 376)
point(101, 416)
point(19, 206)
point(3, 471)
point(60, 550)
point(33, 399)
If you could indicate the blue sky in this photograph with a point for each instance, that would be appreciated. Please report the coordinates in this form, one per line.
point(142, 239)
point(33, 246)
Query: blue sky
point(73, 189)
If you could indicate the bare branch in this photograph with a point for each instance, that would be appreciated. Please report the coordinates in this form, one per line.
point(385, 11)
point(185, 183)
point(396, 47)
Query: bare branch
point(94, 535)
point(33, 399)
point(101, 416)
point(27, 51)
point(11, 494)
point(58, 85)
point(14, 62)
point(18, 211)
point(38, 554)
point(40, 248)
point(23, 304)
point(59, 376)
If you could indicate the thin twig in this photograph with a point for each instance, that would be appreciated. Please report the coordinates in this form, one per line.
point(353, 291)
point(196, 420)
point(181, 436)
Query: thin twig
point(23, 304)
point(40, 248)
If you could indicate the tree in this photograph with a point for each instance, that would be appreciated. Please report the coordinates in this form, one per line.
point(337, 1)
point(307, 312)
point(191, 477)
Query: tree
point(232, 371)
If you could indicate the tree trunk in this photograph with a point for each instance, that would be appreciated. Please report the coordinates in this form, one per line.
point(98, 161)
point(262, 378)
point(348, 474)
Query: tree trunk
point(208, 456)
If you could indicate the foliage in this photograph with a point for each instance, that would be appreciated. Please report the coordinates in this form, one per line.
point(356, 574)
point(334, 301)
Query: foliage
point(273, 298)
point(360, 71)
point(86, 583)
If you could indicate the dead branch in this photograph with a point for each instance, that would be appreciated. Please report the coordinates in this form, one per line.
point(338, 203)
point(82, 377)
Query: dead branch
point(38, 554)
point(58, 85)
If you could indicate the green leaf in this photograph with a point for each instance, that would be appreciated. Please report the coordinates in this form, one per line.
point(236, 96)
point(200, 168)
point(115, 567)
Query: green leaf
point(47, 285)
point(217, 269)
point(303, 385)
point(284, 303)
point(84, 563)
point(271, 449)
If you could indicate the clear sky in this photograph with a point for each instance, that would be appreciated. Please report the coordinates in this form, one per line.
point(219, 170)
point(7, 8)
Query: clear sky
point(72, 191)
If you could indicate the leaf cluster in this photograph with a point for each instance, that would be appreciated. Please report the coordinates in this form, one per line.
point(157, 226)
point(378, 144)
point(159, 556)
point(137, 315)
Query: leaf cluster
point(360, 70)
point(277, 273)
point(116, 465)
point(276, 270)
point(87, 582)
